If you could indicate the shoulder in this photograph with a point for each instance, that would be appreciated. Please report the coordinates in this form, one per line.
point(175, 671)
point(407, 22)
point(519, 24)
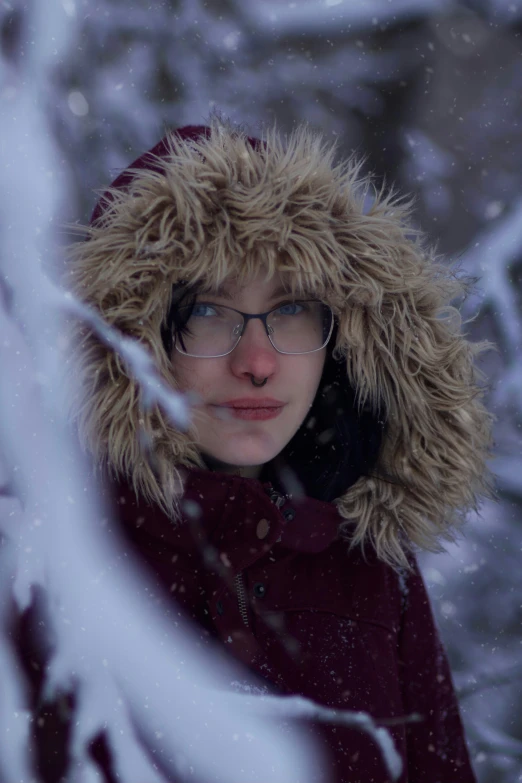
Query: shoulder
point(350, 582)
point(374, 582)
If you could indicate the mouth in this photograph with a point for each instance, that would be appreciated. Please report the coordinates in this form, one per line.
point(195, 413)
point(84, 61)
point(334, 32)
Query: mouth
point(250, 409)
point(255, 414)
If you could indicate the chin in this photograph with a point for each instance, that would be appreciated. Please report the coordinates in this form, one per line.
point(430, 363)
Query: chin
point(247, 451)
point(246, 458)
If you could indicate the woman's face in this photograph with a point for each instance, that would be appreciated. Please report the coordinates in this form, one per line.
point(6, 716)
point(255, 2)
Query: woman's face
point(232, 439)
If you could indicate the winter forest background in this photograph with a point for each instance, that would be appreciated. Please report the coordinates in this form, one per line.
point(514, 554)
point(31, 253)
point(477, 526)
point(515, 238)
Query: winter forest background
point(431, 93)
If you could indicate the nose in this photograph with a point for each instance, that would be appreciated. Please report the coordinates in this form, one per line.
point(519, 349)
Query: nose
point(254, 354)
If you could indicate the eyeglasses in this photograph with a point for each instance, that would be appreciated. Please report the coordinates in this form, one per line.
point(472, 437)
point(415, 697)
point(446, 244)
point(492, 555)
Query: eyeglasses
point(294, 327)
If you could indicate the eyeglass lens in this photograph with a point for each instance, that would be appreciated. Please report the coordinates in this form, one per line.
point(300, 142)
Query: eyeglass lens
point(295, 327)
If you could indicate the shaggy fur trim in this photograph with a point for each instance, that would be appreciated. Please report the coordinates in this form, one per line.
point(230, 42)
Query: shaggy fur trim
point(219, 208)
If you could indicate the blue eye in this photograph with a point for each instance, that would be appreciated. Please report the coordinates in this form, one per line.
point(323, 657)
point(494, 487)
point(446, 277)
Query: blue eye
point(290, 308)
point(199, 310)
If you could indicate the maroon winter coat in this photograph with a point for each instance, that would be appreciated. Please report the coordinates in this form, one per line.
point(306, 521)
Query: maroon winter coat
point(289, 600)
point(269, 578)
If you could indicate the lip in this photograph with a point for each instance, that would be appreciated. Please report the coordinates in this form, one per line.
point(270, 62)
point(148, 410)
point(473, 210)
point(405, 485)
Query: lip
point(254, 414)
point(252, 408)
point(250, 403)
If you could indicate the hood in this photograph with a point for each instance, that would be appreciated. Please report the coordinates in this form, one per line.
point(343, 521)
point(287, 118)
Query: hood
point(209, 203)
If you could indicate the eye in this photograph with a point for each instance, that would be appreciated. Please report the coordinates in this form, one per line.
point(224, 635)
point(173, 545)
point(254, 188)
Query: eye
point(201, 310)
point(290, 308)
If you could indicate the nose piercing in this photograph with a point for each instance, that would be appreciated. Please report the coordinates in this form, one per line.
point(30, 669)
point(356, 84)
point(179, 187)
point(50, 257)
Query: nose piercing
point(256, 383)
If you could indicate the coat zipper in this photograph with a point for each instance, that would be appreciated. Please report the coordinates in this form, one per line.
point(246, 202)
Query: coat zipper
point(278, 500)
point(241, 598)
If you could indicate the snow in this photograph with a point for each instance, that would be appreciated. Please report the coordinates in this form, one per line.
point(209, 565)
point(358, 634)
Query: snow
point(315, 16)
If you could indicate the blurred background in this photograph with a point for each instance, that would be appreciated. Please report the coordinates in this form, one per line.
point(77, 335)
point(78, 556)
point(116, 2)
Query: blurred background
point(430, 92)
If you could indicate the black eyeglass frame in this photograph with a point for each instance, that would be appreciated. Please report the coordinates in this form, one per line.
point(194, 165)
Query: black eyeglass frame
point(263, 317)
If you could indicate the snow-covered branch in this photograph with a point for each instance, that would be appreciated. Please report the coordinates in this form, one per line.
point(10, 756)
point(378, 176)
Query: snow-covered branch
point(55, 540)
point(322, 17)
point(492, 252)
point(13, 709)
point(489, 258)
point(492, 741)
point(482, 682)
point(299, 708)
point(139, 362)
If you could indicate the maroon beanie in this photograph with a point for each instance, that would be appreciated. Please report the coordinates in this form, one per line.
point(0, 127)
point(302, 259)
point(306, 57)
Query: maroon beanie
point(149, 160)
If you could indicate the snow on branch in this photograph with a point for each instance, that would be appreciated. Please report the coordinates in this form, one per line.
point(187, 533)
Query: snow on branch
point(503, 11)
point(137, 359)
point(13, 711)
point(482, 682)
point(112, 644)
point(300, 708)
point(493, 741)
point(320, 17)
point(489, 259)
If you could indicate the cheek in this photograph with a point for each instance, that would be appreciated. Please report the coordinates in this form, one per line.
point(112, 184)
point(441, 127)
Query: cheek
point(305, 377)
point(321, 359)
point(315, 371)
point(184, 372)
point(193, 374)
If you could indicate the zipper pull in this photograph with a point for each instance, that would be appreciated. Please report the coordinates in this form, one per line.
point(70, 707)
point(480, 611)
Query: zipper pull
point(276, 497)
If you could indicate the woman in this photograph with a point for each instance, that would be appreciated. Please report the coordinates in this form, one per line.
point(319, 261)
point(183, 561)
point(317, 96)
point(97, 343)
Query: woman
point(337, 424)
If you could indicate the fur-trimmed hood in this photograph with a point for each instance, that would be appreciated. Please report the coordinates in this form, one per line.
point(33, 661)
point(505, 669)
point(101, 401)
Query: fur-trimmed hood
point(206, 204)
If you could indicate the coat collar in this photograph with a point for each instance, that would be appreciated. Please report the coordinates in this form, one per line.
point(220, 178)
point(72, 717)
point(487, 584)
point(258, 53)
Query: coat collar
point(302, 524)
point(232, 518)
